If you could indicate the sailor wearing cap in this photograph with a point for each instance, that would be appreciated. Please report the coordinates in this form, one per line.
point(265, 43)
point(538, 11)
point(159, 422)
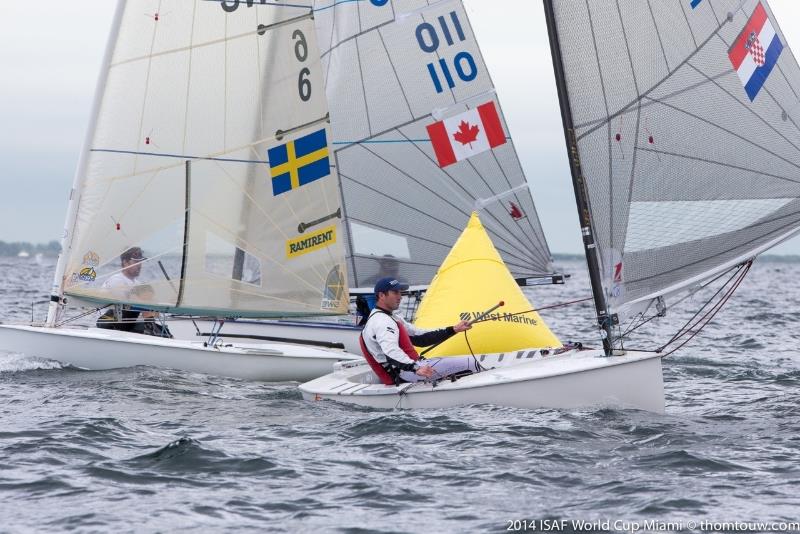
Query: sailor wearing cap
point(390, 340)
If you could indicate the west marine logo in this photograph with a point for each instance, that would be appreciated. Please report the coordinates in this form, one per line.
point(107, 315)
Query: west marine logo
point(87, 274)
point(311, 242)
point(505, 317)
point(91, 259)
point(334, 289)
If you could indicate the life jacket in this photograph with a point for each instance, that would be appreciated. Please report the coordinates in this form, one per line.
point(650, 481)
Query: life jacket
point(384, 376)
point(404, 341)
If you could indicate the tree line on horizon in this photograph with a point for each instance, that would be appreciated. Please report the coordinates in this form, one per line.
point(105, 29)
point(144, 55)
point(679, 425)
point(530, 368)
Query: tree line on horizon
point(13, 249)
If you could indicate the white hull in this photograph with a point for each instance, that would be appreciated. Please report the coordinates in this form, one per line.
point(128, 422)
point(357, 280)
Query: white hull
point(575, 379)
point(98, 349)
point(329, 334)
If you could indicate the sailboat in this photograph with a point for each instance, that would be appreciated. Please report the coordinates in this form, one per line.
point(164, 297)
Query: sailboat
point(205, 187)
point(680, 121)
point(401, 210)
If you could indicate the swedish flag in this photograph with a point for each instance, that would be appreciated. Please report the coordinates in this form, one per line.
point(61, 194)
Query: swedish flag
point(299, 162)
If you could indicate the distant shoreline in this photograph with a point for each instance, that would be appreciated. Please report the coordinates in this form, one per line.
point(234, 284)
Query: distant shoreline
point(25, 249)
point(51, 249)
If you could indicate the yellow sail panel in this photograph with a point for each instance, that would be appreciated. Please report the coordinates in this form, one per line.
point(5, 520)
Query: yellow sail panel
point(472, 279)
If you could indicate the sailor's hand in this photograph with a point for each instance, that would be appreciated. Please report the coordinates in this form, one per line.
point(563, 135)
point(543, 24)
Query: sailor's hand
point(461, 326)
point(426, 371)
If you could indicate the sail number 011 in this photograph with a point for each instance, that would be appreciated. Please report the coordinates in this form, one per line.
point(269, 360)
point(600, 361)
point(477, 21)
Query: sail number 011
point(430, 39)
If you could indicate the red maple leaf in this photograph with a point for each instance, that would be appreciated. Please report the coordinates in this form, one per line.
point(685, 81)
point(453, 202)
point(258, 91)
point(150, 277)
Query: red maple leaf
point(466, 133)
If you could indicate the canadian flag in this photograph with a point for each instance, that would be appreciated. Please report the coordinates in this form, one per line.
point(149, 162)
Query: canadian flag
point(472, 132)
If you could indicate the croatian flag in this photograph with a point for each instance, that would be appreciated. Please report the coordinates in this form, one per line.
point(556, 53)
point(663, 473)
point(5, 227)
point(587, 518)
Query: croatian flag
point(755, 52)
point(472, 132)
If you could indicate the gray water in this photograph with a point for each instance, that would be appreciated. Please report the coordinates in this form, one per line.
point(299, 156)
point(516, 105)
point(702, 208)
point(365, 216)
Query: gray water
point(146, 449)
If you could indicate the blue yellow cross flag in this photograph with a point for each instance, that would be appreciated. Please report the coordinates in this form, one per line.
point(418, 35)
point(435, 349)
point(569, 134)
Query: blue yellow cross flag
point(299, 162)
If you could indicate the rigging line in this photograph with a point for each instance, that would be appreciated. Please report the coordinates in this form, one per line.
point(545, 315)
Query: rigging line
point(729, 250)
point(719, 163)
point(688, 325)
point(635, 327)
point(536, 310)
point(750, 109)
point(740, 137)
point(470, 202)
point(334, 4)
point(711, 314)
point(669, 74)
point(688, 295)
point(382, 141)
point(80, 316)
point(182, 157)
point(247, 146)
point(371, 138)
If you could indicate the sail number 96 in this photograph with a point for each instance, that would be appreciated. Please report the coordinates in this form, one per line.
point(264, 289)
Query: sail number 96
point(301, 53)
point(431, 37)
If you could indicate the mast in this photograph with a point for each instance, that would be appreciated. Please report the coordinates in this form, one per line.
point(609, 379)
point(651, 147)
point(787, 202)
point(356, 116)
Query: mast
point(57, 290)
point(578, 182)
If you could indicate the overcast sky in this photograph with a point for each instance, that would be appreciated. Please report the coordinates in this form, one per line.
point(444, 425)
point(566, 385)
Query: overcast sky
point(50, 53)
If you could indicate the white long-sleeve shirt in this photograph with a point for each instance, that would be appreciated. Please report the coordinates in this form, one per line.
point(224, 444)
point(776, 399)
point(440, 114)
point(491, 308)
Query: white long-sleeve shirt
point(382, 336)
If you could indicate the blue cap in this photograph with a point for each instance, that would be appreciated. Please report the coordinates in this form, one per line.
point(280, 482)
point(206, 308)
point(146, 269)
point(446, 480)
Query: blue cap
point(389, 284)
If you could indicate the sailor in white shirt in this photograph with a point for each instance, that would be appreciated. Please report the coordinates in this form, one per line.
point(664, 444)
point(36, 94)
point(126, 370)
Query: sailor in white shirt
point(390, 340)
point(116, 317)
point(131, 268)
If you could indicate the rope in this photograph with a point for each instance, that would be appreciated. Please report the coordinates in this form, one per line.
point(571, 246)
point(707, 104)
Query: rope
point(552, 306)
point(709, 315)
point(81, 316)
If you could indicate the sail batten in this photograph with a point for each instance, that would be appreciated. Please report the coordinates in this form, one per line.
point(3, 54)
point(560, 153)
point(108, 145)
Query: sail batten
point(685, 147)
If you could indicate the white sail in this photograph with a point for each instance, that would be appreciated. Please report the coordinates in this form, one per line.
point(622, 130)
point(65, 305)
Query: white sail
point(251, 225)
point(393, 68)
point(682, 137)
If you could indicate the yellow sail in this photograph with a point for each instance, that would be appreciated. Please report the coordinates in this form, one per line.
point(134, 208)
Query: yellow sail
point(472, 279)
